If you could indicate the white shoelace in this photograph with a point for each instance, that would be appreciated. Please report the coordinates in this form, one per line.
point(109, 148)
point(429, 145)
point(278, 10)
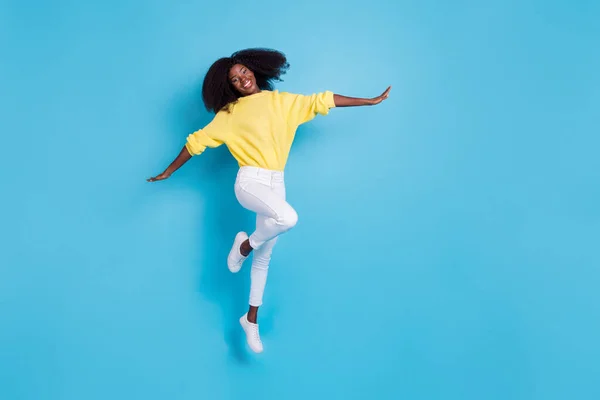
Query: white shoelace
point(255, 334)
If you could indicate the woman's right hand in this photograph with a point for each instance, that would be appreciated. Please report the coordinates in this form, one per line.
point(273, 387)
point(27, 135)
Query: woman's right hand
point(183, 156)
point(160, 177)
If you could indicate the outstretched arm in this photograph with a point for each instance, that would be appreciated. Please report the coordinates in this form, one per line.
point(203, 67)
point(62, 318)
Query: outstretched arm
point(209, 136)
point(182, 158)
point(343, 101)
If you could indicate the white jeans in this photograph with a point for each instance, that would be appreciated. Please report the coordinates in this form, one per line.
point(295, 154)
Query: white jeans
point(263, 192)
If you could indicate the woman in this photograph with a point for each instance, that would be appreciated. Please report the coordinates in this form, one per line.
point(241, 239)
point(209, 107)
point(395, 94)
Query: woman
point(257, 124)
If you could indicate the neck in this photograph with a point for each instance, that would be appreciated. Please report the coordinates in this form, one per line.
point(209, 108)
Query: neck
point(250, 94)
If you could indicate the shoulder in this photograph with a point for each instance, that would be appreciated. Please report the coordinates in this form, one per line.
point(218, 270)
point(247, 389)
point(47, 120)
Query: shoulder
point(224, 116)
point(274, 96)
point(285, 94)
point(304, 95)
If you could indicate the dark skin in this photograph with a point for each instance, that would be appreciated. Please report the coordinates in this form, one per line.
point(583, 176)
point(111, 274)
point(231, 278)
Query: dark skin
point(244, 82)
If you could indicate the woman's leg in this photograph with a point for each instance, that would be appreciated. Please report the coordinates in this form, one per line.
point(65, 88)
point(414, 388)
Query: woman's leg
point(262, 256)
point(268, 202)
point(258, 277)
point(274, 217)
point(265, 201)
point(258, 280)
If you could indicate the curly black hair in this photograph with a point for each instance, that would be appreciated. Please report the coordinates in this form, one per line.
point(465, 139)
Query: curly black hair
point(266, 64)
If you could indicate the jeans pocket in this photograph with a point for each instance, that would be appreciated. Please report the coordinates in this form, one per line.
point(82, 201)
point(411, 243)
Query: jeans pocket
point(239, 185)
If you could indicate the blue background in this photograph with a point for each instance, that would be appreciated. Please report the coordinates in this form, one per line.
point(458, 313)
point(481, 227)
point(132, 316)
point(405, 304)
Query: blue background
point(448, 241)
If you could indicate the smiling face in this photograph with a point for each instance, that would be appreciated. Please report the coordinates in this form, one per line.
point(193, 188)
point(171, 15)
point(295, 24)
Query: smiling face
point(243, 80)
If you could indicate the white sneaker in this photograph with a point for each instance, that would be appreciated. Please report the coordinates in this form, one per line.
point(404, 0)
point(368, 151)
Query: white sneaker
point(235, 258)
point(252, 335)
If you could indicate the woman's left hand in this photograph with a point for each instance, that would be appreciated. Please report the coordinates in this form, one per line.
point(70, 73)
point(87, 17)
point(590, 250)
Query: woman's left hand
point(345, 101)
point(381, 97)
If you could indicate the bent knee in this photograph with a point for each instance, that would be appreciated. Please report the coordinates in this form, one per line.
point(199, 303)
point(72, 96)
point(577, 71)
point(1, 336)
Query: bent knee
point(289, 219)
point(292, 219)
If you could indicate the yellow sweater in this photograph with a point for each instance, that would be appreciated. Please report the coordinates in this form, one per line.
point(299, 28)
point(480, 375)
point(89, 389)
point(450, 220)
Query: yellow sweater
point(260, 128)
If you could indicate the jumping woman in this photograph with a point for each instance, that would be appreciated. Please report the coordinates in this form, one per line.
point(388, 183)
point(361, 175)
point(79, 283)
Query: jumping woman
point(258, 125)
